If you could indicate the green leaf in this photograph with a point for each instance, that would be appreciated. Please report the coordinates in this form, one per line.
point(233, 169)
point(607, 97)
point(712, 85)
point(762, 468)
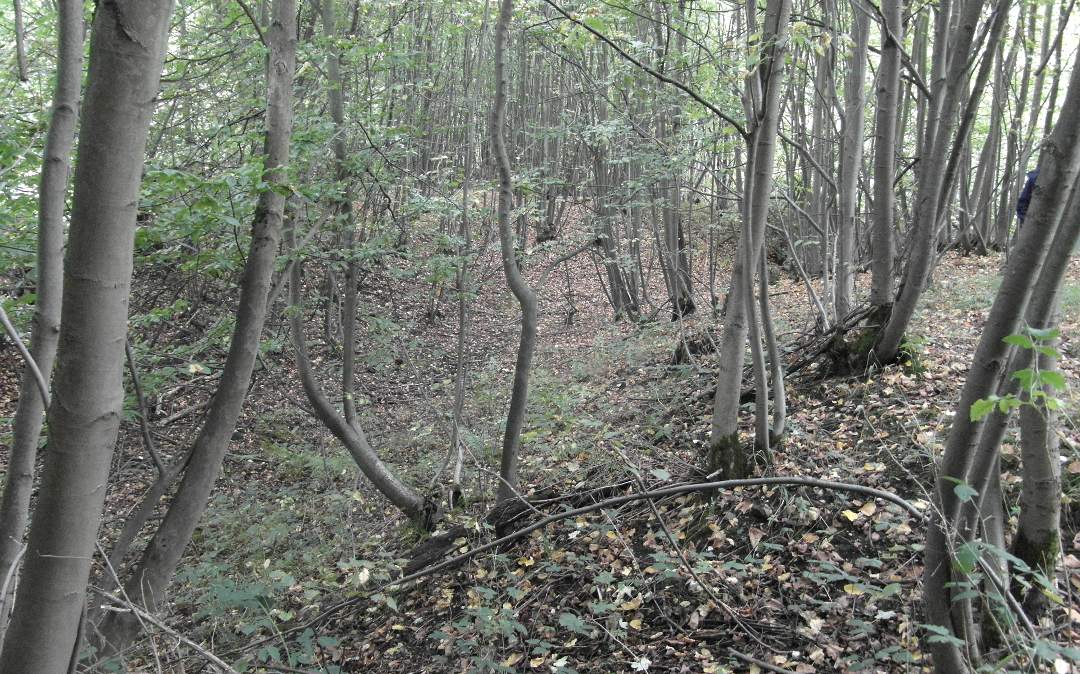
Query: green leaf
point(1053, 379)
point(967, 555)
point(391, 602)
point(940, 634)
point(1025, 377)
point(1019, 340)
point(1043, 333)
point(965, 492)
point(660, 473)
point(1048, 351)
point(980, 408)
point(573, 623)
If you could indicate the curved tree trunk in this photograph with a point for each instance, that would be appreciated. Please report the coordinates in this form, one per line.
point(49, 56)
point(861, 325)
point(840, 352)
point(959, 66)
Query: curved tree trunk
point(52, 198)
point(526, 296)
point(351, 435)
point(151, 574)
point(127, 51)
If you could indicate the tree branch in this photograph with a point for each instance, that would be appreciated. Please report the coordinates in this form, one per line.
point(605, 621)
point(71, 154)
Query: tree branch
point(43, 386)
point(656, 74)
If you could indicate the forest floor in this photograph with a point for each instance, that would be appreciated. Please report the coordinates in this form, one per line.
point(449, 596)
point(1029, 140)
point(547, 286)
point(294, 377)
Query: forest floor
point(292, 567)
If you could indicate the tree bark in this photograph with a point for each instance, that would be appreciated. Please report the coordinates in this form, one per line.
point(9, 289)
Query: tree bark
point(727, 457)
point(526, 296)
point(151, 574)
point(885, 130)
point(932, 192)
point(851, 144)
point(950, 526)
point(127, 52)
point(20, 43)
point(52, 198)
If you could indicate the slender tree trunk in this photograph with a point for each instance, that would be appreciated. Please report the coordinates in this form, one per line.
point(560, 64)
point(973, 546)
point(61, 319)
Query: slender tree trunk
point(951, 524)
point(933, 191)
point(463, 278)
point(885, 131)
point(851, 143)
point(776, 362)
point(1037, 541)
point(127, 51)
point(350, 434)
point(20, 42)
point(515, 417)
point(52, 197)
point(727, 457)
point(151, 574)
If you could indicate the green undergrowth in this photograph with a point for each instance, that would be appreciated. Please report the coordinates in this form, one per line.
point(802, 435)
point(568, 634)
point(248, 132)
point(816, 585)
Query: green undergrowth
point(813, 580)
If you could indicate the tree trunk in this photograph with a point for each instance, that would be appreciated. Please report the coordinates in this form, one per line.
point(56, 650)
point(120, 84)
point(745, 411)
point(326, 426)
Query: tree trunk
point(851, 143)
point(885, 130)
point(52, 199)
point(151, 574)
point(515, 417)
point(1059, 165)
point(127, 52)
point(727, 457)
point(933, 193)
point(1037, 541)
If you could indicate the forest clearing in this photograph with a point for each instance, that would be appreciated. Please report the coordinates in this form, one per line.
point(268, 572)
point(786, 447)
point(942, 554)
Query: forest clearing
point(679, 336)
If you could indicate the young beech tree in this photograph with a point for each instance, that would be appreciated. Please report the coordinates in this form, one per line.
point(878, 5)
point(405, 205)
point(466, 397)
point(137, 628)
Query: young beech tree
point(727, 458)
point(956, 519)
point(151, 574)
point(526, 296)
point(52, 199)
point(127, 52)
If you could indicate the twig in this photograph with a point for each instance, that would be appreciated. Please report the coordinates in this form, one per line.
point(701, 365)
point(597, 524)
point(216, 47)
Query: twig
point(283, 668)
point(184, 412)
point(144, 425)
point(559, 260)
point(4, 592)
point(43, 386)
point(254, 21)
point(657, 75)
point(760, 663)
point(143, 615)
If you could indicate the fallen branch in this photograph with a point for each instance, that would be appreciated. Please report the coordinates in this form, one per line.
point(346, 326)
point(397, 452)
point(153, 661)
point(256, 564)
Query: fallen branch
point(760, 663)
point(659, 493)
point(121, 605)
point(611, 502)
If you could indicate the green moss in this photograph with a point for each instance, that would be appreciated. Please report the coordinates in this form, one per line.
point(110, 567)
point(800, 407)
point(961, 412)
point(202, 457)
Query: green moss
point(728, 459)
point(1041, 557)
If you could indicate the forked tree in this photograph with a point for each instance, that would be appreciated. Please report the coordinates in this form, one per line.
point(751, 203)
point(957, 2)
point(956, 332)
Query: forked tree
point(127, 52)
point(959, 518)
point(52, 200)
point(151, 574)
